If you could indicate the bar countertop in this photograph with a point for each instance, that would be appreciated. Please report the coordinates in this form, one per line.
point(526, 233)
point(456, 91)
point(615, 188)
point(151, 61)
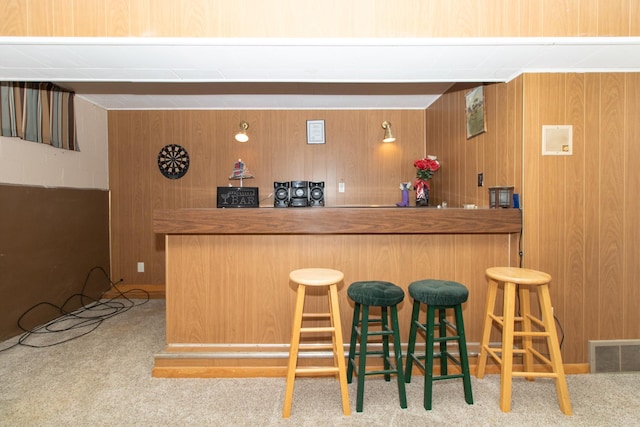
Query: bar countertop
point(337, 220)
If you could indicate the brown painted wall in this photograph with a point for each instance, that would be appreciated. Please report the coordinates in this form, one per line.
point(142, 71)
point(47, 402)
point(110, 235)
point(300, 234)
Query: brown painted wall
point(50, 239)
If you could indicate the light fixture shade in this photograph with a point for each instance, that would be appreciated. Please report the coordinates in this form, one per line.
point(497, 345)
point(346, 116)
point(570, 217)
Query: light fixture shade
point(388, 136)
point(242, 136)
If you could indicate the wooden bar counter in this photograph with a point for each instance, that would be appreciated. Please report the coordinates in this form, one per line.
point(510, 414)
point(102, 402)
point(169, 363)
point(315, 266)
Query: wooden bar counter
point(229, 301)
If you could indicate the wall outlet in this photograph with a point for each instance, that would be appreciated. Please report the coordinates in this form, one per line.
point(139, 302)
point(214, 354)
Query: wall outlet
point(141, 267)
point(480, 179)
point(341, 187)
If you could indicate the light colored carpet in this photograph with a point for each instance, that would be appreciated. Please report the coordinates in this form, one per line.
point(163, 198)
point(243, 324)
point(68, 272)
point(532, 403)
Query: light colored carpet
point(104, 379)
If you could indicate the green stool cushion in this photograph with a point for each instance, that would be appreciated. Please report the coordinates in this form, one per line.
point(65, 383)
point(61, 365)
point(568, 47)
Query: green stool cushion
point(438, 292)
point(375, 293)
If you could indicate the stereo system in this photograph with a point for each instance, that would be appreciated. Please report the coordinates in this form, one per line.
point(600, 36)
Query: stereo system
point(298, 194)
point(316, 193)
point(280, 194)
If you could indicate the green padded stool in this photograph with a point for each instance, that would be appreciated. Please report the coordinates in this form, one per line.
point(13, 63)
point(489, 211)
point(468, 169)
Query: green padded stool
point(385, 295)
point(438, 295)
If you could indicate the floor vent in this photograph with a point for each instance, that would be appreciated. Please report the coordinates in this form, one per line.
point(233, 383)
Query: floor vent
point(614, 356)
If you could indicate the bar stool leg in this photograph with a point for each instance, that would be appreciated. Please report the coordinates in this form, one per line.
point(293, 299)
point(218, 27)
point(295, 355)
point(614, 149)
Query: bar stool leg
point(464, 358)
point(353, 342)
point(506, 369)
point(554, 350)
point(362, 358)
point(442, 330)
point(413, 331)
point(338, 349)
point(527, 341)
point(486, 328)
point(428, 373)
point(384, 326)
point(334, 344)
point(397, 351)
point(293, 351)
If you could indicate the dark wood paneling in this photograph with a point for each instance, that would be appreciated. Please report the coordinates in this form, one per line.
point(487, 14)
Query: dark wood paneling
point(50, 239)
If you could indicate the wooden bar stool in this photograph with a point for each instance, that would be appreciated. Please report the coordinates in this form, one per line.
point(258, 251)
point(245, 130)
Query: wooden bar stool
point(522, 280)
point(439, 296)
point(386, 295)
point(317, 277)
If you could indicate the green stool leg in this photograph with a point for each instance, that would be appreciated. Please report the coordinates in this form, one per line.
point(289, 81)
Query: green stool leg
point(442, 330)
point(397, 351)
point(412, 340)
point(464, 359)
point(428, 374)
point(352, 344)
point(362, 359)
point(385, 342)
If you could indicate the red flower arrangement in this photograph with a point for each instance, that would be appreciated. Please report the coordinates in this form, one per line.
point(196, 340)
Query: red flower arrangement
point(425, 169)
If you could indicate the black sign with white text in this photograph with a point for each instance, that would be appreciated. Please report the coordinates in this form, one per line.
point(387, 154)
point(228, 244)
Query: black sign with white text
point(238, 197)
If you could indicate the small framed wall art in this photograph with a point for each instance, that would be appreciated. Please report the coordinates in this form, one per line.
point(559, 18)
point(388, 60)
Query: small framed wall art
point(315, 132)
point(474, 112)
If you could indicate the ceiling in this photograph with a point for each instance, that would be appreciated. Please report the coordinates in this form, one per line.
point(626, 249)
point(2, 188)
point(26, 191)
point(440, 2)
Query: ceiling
point(271, 73)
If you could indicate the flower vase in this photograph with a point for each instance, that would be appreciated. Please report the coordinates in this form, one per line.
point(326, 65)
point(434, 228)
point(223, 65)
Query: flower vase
point(422, 194)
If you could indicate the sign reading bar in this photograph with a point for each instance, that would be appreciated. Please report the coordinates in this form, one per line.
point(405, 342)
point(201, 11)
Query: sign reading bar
point(238, 197)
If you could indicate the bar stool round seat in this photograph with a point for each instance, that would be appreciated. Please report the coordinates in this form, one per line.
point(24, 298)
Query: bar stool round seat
point(375, 293)
point(316, 277)
point(438, 296)
point(386, 295)
point(439, 292)
point(521, 281)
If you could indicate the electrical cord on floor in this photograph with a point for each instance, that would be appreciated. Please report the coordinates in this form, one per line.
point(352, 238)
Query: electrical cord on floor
point(74, 324)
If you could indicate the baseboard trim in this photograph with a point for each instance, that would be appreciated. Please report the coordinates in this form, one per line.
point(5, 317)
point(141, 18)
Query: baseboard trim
point(281, 371)
point(135, 292)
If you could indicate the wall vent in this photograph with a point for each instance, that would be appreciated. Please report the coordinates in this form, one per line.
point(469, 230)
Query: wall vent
point(614, 356)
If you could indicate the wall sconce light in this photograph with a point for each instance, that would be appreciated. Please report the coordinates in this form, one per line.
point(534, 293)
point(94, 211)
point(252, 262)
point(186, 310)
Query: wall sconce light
point(388, 136)
point(242, 136)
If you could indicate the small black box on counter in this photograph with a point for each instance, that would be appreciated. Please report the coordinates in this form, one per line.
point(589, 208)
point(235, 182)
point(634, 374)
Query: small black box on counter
point(238, 197)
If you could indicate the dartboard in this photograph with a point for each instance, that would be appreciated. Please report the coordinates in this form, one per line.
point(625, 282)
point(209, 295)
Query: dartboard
point(173, 161)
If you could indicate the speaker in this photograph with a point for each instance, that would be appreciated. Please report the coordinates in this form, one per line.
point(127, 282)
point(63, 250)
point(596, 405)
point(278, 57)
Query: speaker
point(280, 194)
point(299, 193)
point(316, 193)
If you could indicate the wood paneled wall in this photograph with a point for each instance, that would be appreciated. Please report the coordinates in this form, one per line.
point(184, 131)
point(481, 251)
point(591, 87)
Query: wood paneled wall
point(220, 304)
point(580, 212)
point(330, 18)
point(496, 153)
point(277, 151)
